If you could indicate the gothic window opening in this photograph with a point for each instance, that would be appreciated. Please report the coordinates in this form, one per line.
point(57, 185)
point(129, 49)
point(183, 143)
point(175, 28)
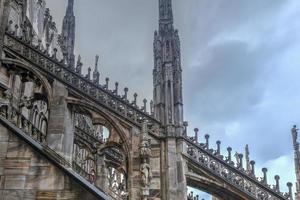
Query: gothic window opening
point(97, 142)
point(117, 183)
point(27, 99)
point(84, 160)
point(85, 125)
point(116, 168)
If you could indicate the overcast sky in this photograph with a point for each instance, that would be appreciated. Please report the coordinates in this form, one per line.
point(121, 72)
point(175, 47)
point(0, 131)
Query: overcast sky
point(241, 65)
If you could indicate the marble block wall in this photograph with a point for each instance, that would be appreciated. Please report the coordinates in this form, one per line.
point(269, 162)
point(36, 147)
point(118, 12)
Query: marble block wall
point(27, 175)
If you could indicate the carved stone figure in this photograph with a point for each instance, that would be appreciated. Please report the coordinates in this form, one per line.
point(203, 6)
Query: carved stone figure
point(146, 174)
point(247, 154)
point(4, 102)
point(26, 102)
point(238, 161)
point(295, 134)
point(145, 149)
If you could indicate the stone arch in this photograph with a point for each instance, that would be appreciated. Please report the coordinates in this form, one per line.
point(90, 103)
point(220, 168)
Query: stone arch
point(202, 180)
point(113, 155)
point(112, 122)
point(34, 94)
point(38, 74)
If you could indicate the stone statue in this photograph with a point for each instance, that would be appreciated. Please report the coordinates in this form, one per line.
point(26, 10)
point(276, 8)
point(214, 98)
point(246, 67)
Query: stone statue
point(295, 134)
point(145, 149)
point(247, 154)
point(26, 102)
point(238, 161)
point(5, 101)
point(146, 174)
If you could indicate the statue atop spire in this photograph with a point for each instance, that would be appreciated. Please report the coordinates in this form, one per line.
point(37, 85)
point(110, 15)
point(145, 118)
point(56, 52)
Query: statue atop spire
point(96, 74)
point(67, 39)
point(165, 11)
point(70, 6)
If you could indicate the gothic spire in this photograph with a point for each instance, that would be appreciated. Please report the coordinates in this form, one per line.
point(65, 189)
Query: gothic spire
point(70, 7)
point(167, 73)
point(165, 11)
point(68, 34)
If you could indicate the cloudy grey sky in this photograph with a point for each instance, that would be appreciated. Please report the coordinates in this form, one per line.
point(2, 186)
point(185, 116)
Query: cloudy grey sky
point(241, 65)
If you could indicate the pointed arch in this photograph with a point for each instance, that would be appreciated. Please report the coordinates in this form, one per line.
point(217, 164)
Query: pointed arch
point(110, 120)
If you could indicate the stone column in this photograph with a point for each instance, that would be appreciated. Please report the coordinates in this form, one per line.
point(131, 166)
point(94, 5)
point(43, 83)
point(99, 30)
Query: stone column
point(176, 188)
point(145, 165)
point(60, 135)
point(101, 176)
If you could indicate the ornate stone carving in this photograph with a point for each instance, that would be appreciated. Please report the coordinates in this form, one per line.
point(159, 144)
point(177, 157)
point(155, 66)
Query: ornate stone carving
point(295, 134)
point(146, 174)
point(236, 176)
point(145, 154)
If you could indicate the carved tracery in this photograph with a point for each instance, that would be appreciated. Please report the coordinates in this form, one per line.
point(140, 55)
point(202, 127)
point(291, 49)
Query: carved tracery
point(96, 141)
point(26, 101)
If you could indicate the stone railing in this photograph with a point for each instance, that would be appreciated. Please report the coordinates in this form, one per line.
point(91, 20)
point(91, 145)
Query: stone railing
point(17, 119)
point(82, 172)
point(93, 146)
point(13, 115)
point(75, 80)
point(225, 169)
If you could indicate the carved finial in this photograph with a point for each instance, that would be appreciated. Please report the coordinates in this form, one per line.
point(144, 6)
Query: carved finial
point(39, 47)
point(116, 88)
point(229, 159)
point(134, 99)
point(96, 74)
point(78, 65)
point(295, 137)
point(196, 130)
point(218, 147)
point(239, 160)
point(207, 141)
point(47, 48)
point(264, 180)
point(190, 196)
point(247, 153)
point(106, 83)
point(145, 105)
point(125, 93)
point(185, 125)
point(65, 58)
point(16, 30)
point(88, 76)
point(9, 27)
point(24, 32)
point(54, 56)
point(277, 183)
point(96, 62)
point(252, 164)
point(290, 185)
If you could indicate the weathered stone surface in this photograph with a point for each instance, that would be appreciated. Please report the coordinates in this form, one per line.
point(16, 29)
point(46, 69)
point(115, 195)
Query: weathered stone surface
point(13, 194)
point(3, 149)
point(14, 182)
point(32, 177)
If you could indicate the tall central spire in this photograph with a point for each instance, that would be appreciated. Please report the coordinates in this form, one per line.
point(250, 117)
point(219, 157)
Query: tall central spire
point(68, 34)
point(167, 73)
point(70, 5)
point(165, 11)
